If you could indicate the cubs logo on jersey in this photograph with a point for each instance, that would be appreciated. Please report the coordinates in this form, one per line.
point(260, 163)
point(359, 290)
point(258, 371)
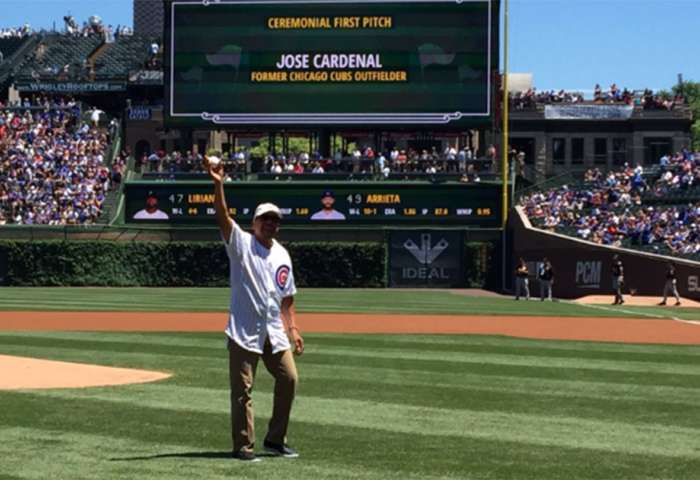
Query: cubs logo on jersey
point(282, 276)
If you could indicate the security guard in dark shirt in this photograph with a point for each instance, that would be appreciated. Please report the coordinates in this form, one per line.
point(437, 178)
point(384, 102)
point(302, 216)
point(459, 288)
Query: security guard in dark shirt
point(618, 279)
point(671, 285)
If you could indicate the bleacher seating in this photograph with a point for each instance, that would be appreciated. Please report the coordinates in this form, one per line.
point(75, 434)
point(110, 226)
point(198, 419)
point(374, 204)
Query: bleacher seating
point(8, 46)
point(58, 55)
point(61, 57)
point(124, 55)
point(655, 210)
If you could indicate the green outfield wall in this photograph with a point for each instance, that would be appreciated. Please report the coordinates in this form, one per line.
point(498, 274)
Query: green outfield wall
point(203, 264)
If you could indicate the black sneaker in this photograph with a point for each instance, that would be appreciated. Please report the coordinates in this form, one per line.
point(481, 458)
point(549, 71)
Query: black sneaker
point(280, 450)
point(661, 303)
point(246, 456)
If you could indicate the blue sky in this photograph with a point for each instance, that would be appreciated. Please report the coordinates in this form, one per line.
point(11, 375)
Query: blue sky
point(570, 44)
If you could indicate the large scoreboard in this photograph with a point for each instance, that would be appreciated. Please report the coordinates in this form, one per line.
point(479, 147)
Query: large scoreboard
point(319, 203)
point(343, 62)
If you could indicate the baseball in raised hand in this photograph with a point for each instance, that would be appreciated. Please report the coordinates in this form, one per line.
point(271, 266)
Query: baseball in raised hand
point(214, 167)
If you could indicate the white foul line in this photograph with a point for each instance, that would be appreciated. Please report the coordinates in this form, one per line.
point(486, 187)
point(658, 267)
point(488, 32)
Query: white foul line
point(631, 312)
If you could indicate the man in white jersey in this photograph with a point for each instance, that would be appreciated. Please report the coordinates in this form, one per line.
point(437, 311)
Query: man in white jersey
point(262, 302)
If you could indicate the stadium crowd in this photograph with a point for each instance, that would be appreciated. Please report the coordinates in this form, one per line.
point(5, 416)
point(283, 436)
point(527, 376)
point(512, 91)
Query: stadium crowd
point(94, 27)
point(646, 100)
point(52, 167)
point(366, 161)
point(16, 32)
point(395, 160)
point(621, 207)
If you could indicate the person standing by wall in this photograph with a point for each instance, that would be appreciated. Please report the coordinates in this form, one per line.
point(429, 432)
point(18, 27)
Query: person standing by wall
point(671, 285)
point(546, 277)
point(618, 279)
point(522, 284)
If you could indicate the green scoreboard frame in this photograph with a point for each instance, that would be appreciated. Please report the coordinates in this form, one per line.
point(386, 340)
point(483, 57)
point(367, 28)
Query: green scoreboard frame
point(355, 203)
point(330, 62)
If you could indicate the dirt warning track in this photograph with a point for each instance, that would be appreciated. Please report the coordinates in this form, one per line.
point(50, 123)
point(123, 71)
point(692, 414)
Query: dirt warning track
point(552, 328)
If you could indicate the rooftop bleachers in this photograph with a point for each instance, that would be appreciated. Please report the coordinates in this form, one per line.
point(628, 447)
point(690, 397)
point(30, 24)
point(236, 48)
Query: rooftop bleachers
point(126, 54)
point(8, 46)
point(58, 55)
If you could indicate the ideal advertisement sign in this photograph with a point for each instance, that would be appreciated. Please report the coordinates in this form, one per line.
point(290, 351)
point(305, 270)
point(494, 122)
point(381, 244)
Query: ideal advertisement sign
point(426, 258)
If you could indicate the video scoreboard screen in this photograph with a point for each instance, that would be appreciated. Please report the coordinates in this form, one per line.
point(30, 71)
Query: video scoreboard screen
point(323, 204)
point(298, 62)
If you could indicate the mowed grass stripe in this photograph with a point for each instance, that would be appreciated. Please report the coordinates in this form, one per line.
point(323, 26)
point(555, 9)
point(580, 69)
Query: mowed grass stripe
point(344, 446)
point(327, 454)
point(127, 458)
point(596, 386)
point(159, 342)
point(475, 359)
point(170, 362)
point(640, 410)
point(538, 401)
point(464, 382)
point(450, 342)
point(308, 300)
point(662, 440)
point(485, 356)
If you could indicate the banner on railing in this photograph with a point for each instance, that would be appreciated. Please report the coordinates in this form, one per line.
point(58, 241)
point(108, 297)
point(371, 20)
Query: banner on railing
point(139, 113)
point(71, 87)
point(588, 112)
point(146, 77)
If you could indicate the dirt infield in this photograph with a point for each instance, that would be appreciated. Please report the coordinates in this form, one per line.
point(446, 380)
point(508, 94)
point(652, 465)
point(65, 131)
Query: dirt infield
point(635, 301)
point(23, 372)
point(553, 328)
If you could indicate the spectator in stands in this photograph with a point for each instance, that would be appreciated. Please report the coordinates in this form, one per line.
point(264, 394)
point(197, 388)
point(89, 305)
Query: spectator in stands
point(277, 168)
point(356, 160)
point(95, 117)
point(380, 162)
point(153, 162)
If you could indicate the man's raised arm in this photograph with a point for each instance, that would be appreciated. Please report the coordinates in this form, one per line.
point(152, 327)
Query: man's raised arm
point(216, 172)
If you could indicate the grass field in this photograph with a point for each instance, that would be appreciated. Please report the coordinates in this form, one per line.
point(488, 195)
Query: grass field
point(438, 302)
point(369, 407)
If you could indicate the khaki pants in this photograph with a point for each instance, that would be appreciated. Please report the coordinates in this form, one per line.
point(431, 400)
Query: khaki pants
point(242, 366)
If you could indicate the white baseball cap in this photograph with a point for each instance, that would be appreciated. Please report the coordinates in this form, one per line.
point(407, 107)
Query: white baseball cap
point(264, 208)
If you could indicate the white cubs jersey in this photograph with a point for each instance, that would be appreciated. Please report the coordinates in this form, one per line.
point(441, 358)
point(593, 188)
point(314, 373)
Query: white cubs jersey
point(260, 279)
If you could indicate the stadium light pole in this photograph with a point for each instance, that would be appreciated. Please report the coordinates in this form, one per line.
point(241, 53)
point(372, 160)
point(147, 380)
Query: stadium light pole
point(505, 141)
point(504, 147)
